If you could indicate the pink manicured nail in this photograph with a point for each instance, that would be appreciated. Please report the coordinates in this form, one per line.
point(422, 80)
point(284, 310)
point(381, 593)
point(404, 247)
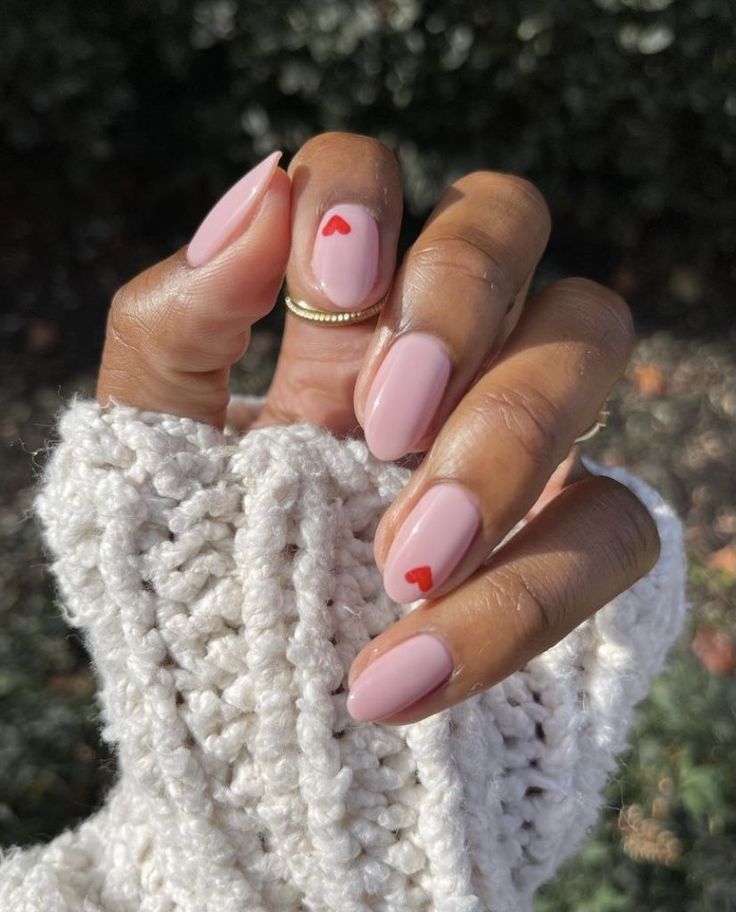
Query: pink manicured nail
point(405, 394)
point(400, 677)
point(431, 541)
point(345, 257)
point(228, 215)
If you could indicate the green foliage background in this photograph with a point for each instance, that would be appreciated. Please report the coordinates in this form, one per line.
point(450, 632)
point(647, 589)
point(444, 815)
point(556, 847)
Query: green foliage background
point(123, 121)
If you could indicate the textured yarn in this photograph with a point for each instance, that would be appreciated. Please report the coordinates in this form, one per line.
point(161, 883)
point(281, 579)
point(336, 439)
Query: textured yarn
point(224, 583)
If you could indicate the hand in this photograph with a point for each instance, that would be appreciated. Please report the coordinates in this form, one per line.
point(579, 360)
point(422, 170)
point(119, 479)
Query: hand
point(493, 387)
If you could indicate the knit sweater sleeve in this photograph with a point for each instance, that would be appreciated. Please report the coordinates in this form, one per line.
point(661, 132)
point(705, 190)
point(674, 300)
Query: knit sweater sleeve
point(123, 483)
point(560, 721)
point(224, 583)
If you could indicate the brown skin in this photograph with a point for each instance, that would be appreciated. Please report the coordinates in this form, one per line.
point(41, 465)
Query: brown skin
point(528, 377)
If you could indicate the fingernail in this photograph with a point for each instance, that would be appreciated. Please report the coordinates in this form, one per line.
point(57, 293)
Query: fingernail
point(430, 542)
point(228, 215)
point(405, 394)
point(400, 677)
point(345, 257)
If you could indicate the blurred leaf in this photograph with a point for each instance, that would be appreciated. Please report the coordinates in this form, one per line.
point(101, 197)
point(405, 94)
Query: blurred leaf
point(724, 559)
point(699, 789)
point(649, 380)
point(715, 649)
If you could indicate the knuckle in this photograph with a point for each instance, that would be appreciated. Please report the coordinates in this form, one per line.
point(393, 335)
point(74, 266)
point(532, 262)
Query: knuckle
point(121, 300)
point(157, 319)
point(515, 191)
point(190, 346)
point(161, 318)
point(126, 323)
point(528, 196)
point(317, 145)
point(529, 415)
point(533, 612)
point(338, 144)
point(125, 310)
point(635, 542)
point(603, 312)
point(461, 256)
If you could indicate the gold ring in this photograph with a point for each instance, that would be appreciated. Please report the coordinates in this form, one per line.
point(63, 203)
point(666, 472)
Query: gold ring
point(600, 422)
point(333, 318)
point(344, 318)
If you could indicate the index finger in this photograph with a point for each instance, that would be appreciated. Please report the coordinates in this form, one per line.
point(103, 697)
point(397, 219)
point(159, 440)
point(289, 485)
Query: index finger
point(346, 216)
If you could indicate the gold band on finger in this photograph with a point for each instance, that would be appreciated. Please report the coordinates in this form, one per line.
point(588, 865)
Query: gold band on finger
point(333, 318)
point(344, 318)
point(600, 422)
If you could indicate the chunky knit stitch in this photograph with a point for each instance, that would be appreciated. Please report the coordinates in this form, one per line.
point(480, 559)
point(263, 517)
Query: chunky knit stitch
point(224, 582)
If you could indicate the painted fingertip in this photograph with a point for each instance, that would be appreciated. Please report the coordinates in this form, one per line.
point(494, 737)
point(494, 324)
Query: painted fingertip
point(345, 256)
point(400, 677)
point(227, 217)
point(405, 394)
point(431, 541)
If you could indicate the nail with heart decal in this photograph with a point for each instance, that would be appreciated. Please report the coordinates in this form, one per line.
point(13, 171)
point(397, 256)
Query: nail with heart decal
point(422, 576)
point(345, 257)
point(336, 224)
point(431, 541)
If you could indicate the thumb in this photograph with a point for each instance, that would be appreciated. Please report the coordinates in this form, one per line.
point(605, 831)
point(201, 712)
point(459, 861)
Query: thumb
point(174, 331)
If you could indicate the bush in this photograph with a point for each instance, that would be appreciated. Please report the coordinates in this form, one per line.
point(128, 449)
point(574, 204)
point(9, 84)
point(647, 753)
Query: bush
point(677, 780)
point(123, 121)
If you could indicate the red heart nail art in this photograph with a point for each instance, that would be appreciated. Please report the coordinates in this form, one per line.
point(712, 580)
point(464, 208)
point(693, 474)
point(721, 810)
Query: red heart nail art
point(422, 576)
point(336, 223)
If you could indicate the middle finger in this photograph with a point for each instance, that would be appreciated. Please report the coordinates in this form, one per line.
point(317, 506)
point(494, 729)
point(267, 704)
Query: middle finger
point(472, 260)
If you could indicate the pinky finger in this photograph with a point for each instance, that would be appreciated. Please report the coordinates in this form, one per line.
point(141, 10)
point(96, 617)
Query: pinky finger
point(590, 543)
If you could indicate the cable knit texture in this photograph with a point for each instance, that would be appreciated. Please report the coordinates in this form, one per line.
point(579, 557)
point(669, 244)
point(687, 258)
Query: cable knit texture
point(224, 582)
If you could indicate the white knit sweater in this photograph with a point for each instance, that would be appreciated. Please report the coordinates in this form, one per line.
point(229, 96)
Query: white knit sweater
point(224, 582)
